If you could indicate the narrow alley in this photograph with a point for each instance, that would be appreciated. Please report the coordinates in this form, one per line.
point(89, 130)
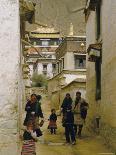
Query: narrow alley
point(89, 144)
point(65, 52)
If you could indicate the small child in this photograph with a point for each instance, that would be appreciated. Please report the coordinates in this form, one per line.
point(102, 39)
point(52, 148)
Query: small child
point(29, 138)
point(52, 122)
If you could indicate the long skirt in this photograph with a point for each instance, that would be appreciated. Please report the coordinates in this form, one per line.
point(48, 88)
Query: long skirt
point(28, 148)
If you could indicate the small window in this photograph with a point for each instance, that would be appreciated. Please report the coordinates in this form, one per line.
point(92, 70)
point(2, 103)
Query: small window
point(54, 66)
point(63, 63)
point(45, 43)
point(45, 67)
point(80, 62)
point(58, 67)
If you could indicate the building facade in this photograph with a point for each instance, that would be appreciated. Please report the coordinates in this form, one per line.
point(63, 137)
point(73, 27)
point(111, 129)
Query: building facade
point(71, 69)
point(71, 55)
point(42, 58)
point(101, 64)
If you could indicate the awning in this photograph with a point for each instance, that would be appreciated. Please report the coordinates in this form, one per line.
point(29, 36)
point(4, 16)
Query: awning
point(96, 46)
point(94, 51)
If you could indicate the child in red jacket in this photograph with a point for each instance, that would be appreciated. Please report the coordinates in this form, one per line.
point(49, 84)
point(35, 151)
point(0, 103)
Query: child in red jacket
point(52, 122)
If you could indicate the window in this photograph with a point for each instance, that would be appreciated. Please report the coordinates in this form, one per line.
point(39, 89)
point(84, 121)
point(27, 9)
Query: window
point(98, 20)
point(80, 61)
point(98, 79)
point(45, 67)
point(54, 66)
point(63, 63)
point(45, 43)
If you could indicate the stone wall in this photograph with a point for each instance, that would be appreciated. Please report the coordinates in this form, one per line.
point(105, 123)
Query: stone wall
point(9, 76)
point(106, 107)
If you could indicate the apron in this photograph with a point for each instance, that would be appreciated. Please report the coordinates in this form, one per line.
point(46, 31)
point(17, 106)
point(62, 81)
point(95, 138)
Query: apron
point(28, 148)
point(78, 120)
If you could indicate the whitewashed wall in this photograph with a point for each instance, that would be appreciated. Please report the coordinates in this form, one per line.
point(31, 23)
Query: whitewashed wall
point(9, 75)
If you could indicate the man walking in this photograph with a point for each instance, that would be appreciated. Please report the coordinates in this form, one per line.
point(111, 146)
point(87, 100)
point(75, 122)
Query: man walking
point(80, 112)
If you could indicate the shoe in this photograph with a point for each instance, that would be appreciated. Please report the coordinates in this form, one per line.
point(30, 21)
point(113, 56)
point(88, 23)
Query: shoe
point(74, 143)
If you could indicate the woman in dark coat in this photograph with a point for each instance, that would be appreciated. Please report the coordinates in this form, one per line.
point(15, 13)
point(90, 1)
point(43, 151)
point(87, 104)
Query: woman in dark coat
point(67, 104)
point(34, 111)
point(30, 108)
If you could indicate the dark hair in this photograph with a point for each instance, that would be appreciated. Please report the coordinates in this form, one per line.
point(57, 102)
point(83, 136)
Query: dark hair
point(39, 97)
point(78, 92)
point(52, 110)
point(33, 95)
point(67, 94)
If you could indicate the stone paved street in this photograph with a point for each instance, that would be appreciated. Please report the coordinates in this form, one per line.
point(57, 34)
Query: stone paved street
point(55, 144)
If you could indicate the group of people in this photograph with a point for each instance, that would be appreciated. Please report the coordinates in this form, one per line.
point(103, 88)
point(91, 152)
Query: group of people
point(74, 115)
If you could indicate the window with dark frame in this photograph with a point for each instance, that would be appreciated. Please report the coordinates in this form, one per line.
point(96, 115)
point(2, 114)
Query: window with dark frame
point(45, 67)
point(54, 67)
point(80, 61)
point(58, 67)
point(62, 63)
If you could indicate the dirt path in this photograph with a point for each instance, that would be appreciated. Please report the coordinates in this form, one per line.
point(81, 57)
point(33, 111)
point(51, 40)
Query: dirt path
point(54, 144)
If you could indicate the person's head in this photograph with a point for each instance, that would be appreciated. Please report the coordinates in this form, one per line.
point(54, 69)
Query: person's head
point(39, 97)
point(67, 95)
point(30, 125)
point(53, 111)
point(78, 94)
point(33, 97)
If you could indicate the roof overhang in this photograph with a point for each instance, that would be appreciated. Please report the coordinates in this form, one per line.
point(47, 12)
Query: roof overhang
point(27, 10)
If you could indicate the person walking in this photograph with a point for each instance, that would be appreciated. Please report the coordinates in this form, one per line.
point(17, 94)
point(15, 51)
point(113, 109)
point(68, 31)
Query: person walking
point(52, 122)
point(67, 104)
point(69, 124)
point(30, 109)
point(33, 112)
point(80, 112)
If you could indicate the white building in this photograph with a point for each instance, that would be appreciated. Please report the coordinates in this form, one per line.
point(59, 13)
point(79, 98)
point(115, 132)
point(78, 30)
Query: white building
point(42, 58)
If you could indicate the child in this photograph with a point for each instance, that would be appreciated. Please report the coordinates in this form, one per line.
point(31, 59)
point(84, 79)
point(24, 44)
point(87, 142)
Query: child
point(68, 124)
point(29, 138)
point(52, 122)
